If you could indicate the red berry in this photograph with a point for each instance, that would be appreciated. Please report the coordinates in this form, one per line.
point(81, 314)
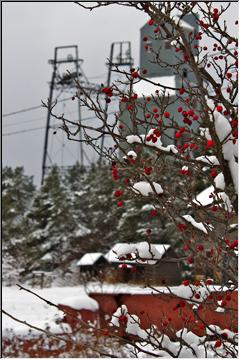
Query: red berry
point(154, 213)
point(219, 108)
point(182, 227)
point(200, 247)
point(151, 22)
point(135, 74)
point(218, 343)
point(155, 110)
point(210, 143)
point(223, 303)
point(118, 193)
point(148, 170)
point(120, 203)
point(186, 282)
point(178, 134)
point(179, 109)
point(213, 173)
point(157, 132)
point(209, 281)
point(124, 99)
point(123, 266)
point(106, 90)
point(167, 114)
point(181, 91)
point(123, 318)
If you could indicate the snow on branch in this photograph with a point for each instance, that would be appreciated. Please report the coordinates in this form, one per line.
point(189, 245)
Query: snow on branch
point(198, 225)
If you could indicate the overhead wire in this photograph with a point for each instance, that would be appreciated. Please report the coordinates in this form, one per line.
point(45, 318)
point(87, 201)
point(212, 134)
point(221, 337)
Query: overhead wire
point(43, 127)
point(36, 107)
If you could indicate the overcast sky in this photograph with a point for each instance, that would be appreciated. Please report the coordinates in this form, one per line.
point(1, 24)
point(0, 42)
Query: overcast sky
point(31, 31)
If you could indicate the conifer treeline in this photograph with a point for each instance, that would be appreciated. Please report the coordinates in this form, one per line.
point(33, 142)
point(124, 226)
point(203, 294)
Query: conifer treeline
point(50, 228)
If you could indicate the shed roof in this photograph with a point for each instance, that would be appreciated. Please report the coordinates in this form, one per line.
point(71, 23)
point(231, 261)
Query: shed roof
point(89, 258)
point(151, 253)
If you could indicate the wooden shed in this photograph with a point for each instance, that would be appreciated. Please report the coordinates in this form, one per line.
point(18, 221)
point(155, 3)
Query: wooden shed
point(92, 265)
point(154, 264)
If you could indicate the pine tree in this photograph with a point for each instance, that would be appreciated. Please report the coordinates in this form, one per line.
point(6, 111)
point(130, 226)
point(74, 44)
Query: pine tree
point(50, 222)
point(17, 193)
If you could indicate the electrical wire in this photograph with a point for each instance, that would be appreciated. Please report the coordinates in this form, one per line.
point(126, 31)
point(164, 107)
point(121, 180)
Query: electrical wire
point(23, 131)
point(38, 107)
point(31, 108)
point(43, 127)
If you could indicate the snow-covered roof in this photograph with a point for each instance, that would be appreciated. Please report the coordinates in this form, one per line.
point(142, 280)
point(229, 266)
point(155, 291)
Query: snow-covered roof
point(82, 301)
point(142, 250)
point(146, 88)
point(46, 257)
point(89, 258)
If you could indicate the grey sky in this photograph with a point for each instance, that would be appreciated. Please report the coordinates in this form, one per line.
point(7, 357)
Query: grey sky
point(30, 33)
point(31, 30)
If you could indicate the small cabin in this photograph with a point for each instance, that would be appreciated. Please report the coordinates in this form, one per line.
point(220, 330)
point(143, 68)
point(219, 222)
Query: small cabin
point(144, 263)
point(91, 265)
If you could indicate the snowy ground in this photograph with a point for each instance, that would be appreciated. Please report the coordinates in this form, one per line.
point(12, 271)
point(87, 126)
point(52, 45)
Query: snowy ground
point(28, 307)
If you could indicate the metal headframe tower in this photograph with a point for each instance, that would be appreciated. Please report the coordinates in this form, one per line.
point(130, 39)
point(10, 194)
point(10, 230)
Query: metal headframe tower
point(60, 83)
point(120, 56)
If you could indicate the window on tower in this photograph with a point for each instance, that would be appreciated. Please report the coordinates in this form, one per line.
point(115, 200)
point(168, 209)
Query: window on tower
point(168, 45)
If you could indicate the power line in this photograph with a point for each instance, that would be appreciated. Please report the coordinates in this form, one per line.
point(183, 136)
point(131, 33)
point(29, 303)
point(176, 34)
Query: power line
point(23, 122)
point(30, 108)
point(43, 127)
point(36, 107)
point(23, 131)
